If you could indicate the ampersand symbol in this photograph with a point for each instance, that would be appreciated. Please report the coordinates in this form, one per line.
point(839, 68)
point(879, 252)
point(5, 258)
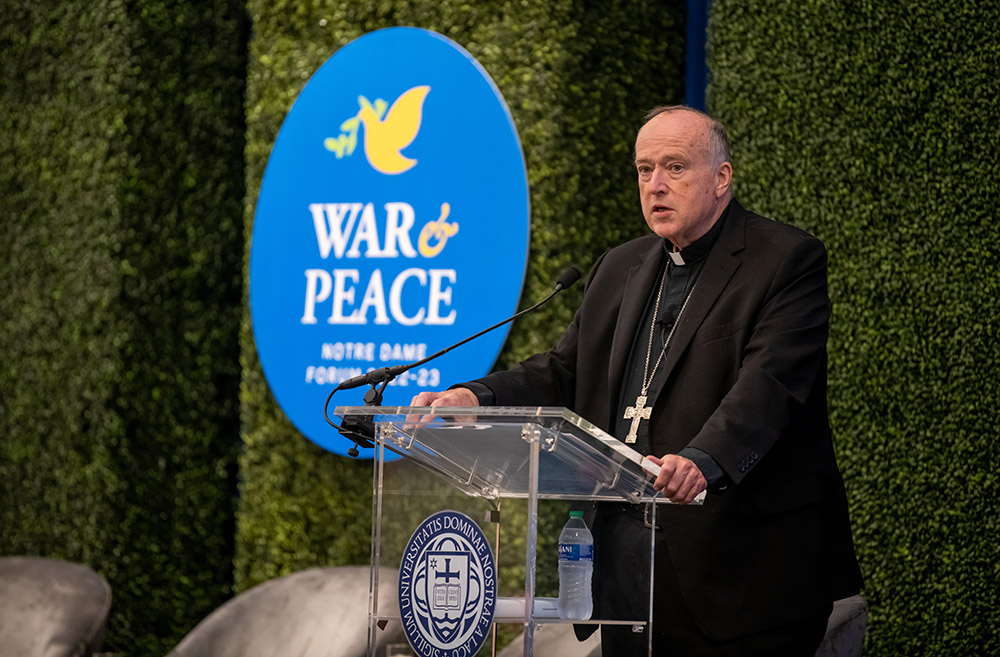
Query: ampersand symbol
point(439, 231)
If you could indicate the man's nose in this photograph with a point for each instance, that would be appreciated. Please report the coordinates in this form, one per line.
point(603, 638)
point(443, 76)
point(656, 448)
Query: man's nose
point(658, 181)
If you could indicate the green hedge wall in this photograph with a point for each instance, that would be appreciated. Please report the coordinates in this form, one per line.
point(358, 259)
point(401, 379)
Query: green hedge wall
point(577, 76)
point(120, 269)
point(874, 125)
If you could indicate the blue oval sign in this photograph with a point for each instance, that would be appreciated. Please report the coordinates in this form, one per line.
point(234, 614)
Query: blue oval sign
point(392, 222)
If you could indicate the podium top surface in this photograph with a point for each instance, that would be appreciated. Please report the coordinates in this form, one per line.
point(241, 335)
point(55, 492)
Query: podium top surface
point(486, 451)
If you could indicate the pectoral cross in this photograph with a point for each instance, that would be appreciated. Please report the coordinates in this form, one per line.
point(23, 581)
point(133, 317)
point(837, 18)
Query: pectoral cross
point(637, 414)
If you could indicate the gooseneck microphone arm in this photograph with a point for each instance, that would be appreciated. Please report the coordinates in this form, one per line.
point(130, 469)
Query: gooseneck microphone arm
point(378, 379)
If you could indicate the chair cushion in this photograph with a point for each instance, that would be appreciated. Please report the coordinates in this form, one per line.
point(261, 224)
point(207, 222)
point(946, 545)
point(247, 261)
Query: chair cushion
point(51, 608)
point(320, 612)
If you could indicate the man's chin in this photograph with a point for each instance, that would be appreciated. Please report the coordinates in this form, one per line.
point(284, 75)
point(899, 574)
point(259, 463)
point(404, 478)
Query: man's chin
point(662, 227)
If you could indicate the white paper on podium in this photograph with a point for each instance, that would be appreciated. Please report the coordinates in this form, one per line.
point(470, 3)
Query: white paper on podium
point(512, 609)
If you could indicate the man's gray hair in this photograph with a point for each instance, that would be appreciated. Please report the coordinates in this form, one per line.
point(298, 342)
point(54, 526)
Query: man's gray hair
point(718, 140)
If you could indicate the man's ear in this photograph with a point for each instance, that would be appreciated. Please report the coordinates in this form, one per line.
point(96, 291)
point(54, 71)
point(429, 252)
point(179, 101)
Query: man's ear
point(723, 179)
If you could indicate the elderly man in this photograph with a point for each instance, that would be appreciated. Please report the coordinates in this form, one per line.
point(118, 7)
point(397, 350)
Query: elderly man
point(703, 345)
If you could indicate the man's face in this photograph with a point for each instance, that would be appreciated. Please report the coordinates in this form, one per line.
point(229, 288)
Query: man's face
point(681, 191)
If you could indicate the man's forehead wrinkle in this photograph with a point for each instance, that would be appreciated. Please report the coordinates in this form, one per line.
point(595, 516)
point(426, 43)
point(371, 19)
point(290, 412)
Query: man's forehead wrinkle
point(669, 149)
point(679, 142)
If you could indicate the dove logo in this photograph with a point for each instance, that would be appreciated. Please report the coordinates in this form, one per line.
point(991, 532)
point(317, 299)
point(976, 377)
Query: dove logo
point(385, 134)
point(375, 240)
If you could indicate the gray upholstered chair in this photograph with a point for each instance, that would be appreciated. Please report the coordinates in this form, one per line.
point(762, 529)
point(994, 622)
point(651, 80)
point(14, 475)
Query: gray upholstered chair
point(556, 639)
point(320, 612)
point(51, 608)
point(845, 631)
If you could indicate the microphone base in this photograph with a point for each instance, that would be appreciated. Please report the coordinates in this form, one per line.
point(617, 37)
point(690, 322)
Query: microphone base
point(360, 431)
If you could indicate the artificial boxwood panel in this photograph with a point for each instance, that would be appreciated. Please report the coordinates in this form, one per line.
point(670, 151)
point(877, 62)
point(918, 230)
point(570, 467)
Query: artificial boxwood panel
point(874, 125)
point(578, 77)
point(58, 279)
point(120, 253)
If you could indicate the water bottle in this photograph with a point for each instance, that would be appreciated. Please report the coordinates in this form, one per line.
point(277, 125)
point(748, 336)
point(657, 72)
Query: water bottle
point(576, 569)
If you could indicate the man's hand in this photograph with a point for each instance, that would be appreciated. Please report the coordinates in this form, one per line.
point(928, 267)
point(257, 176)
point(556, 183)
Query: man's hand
point(446, 398)
point(680, 480)
point(453, 397)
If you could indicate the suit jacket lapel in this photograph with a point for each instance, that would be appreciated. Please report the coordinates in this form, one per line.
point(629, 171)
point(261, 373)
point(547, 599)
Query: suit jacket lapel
point(722, 263)
point(640, 279)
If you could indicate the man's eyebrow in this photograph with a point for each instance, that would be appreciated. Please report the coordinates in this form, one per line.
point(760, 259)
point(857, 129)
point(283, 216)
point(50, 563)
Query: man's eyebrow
point(669, 157)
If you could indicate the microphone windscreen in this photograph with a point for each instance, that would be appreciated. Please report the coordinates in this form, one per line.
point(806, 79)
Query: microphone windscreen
point(567, 278)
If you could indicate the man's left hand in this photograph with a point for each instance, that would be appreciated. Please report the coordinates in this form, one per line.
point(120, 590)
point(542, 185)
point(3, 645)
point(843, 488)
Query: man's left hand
point(680, 480)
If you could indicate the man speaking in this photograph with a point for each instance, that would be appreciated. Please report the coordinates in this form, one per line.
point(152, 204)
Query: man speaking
point(703, 345)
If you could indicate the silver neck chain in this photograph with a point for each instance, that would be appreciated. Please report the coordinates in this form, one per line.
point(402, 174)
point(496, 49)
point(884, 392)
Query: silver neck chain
point(652, 330)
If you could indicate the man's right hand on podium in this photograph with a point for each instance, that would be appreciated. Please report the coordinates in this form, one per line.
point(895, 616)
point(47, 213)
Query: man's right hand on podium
point(454, 397)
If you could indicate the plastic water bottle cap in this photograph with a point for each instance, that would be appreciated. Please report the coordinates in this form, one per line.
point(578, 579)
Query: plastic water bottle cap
point(576, 514)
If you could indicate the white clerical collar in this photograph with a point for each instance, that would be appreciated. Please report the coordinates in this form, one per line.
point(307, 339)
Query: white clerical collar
point(697, 249)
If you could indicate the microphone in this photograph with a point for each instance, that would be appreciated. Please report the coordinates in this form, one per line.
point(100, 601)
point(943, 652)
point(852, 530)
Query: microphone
point(378, 379)
point(568, 277)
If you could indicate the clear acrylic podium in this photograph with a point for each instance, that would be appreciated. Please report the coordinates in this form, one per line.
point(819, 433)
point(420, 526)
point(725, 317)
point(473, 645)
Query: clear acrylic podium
point(471, 460)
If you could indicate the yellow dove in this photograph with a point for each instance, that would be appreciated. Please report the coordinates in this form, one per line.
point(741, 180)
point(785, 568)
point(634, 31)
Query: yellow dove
point(384, 138)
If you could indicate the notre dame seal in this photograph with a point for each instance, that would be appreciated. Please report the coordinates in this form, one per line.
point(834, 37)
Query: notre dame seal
point(447, 587)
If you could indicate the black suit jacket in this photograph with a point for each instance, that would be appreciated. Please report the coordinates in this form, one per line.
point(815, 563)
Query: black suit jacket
point(746, 383)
